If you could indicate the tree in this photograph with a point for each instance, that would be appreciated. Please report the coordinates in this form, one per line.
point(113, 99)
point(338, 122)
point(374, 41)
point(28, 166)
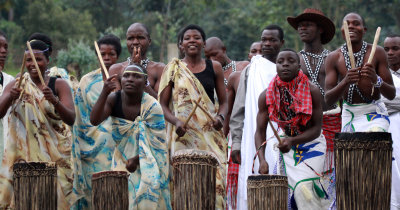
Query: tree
point(60, 24)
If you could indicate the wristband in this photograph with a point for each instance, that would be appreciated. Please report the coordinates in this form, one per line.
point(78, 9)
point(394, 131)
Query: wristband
point(379, 82)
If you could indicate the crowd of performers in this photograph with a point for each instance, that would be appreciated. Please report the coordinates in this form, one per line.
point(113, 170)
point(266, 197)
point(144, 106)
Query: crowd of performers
point(134, 120)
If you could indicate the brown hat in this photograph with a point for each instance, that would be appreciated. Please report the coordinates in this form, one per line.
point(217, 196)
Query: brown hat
point(318, 17)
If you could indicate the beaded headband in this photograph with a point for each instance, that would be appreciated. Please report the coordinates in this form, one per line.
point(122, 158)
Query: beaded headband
point(134, 66)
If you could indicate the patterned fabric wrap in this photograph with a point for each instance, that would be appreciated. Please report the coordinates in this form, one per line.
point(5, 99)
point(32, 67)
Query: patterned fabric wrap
point(331, 124)
point(232, 183)
point(36, 133)
point(303, 165)
point(200, 133)
point(371, 117)
point(93, 146)
point(301, 106)
point(146, 137)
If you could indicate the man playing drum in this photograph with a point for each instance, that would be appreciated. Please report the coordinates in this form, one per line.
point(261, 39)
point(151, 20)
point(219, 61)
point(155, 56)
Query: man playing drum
point(294, 103)
point(362, 86)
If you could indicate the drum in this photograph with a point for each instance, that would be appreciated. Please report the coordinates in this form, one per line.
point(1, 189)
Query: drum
point(363, 163)
point(267, 192)
point(194, 180)
point(35, 185)
point(110, 190)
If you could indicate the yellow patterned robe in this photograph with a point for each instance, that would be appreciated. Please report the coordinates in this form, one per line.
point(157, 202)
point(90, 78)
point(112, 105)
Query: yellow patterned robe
point(200, 135)
point(36, 133)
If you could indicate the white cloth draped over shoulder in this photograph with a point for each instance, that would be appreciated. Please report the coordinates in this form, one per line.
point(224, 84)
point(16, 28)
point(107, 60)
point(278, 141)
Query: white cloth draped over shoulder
point(394, 130)
point(4, 122)
point(261, 73)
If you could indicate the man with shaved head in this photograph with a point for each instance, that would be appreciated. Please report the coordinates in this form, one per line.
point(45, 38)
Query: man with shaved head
point(138, 40)
point(216, 50)
point(255, 49)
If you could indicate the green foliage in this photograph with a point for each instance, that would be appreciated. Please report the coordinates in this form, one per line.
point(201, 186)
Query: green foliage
point(79, 57)
point(238, 23)
point(61, 24)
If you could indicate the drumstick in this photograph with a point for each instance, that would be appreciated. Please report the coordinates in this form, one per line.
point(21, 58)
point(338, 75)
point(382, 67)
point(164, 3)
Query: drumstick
point(371, 55)
point(205, 111)
point(349, 46)
point(22, 71)
point(103, 67)
point(275, 132)
point(377, 34)
point(191, 113)
point(34, 61)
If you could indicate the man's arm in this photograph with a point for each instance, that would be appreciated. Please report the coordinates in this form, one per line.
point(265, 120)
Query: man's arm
point(160, 69)
point(236, 122)
point(333, 90)
point(260, 136)
point(231, 99)
point(154, 72)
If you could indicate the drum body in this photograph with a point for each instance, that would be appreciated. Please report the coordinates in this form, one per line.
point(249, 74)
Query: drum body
point(110, 190)
point(194, 180)
point(363, 165)
point(35, 185)
point(267, 192)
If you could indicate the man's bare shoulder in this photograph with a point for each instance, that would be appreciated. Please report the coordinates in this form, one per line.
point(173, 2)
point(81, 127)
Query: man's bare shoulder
point(334, 54)
point(117, 68)
point(240, 65)
point(156, 66)
point(234, 75)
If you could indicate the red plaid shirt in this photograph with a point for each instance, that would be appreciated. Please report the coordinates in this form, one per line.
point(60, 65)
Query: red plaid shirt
point(290, 103)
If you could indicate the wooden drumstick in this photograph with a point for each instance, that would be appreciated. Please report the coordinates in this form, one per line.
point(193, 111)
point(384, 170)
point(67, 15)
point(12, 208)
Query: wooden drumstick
point(275, 132)
point(21, 72)
point(103, 67)
point(205, 111)
point(191, 113)
point(371, 55)
point(349, 46)
point(377, 34)
point(34, 61)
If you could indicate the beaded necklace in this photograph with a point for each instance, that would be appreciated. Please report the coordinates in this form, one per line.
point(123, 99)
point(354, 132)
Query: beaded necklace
point(359, 56)
point(143, 62)
point(314, 74)
point(226, 67)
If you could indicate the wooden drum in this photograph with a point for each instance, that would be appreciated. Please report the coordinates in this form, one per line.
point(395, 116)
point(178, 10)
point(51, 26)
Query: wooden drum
point(194, 180)
point(35, 185)
point(363, 163)
point(267, 192)
point(110, 190)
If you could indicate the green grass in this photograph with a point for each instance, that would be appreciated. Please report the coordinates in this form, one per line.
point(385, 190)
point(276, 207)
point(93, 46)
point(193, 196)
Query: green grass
point(11, 70)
